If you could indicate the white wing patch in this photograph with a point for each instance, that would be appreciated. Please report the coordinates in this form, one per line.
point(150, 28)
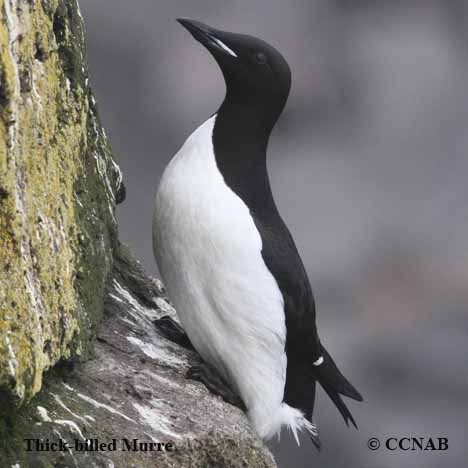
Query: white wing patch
point(318, 361)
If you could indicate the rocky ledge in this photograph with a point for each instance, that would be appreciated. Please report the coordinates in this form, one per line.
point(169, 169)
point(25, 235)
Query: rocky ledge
point(133, 398)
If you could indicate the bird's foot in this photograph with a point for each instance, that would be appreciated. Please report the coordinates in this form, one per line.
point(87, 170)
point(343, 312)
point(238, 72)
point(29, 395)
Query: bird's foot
point(207, 375)
point(171, 330)
point(202, 372)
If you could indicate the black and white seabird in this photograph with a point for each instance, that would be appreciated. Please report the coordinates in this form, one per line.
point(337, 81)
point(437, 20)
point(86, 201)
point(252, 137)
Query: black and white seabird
point(229, 262)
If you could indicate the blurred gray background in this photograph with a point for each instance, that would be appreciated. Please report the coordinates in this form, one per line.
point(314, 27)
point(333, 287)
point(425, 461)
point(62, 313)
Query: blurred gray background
point(369, 166)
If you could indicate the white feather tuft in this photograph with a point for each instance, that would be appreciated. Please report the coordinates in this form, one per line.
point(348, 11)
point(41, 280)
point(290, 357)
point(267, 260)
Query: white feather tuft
point(287, 416)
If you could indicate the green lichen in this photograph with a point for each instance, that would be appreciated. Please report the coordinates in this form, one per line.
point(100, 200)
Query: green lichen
point(57, 185)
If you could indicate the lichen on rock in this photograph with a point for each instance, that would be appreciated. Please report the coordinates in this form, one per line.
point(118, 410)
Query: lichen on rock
point(80, 357)
point(58, 187)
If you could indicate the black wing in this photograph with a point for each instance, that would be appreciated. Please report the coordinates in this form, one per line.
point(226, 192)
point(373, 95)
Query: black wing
point(302, 342)
point(283, 261)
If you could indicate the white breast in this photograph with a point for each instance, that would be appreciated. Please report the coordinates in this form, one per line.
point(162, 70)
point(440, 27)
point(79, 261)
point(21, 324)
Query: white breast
point(209, 253)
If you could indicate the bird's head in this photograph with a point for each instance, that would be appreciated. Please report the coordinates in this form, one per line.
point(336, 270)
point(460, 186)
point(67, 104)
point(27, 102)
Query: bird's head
point(256, 74)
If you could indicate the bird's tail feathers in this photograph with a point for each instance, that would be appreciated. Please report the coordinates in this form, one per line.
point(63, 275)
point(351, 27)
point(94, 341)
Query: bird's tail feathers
point(336, 384)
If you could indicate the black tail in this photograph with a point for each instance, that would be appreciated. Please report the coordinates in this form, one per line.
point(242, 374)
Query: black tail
point(335, 384)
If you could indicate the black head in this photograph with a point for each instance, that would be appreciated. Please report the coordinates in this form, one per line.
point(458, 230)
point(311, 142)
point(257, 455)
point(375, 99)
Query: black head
point(257, 76)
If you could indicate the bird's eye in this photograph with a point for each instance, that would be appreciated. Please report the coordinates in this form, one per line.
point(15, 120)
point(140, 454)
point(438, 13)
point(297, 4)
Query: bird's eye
point(261, 58)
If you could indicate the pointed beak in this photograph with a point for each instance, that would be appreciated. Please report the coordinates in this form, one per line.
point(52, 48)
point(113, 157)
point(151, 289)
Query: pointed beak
point(207, 36)
point(197, 29)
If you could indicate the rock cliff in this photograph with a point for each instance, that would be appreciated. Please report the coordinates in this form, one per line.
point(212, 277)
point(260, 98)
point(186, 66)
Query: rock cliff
point(80, 357)
point(58, 187)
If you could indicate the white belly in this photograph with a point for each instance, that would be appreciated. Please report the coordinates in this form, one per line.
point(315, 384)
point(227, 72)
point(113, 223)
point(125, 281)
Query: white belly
point(209, 253)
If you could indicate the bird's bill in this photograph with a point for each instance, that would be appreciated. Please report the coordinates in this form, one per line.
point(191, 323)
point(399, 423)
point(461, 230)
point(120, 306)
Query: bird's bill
point(207, 36)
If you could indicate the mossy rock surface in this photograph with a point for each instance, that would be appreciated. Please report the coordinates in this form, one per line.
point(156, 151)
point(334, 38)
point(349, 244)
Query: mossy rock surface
point(58, 190)
point(80, 357)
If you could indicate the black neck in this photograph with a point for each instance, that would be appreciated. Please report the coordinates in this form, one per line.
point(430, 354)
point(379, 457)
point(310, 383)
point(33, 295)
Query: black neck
point(240, 140)
point(250, 113)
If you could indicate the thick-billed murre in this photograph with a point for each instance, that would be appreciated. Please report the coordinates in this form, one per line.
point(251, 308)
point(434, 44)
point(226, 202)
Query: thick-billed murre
point(229, 262)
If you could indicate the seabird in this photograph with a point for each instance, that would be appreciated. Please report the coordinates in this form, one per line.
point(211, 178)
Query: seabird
point(229, 263)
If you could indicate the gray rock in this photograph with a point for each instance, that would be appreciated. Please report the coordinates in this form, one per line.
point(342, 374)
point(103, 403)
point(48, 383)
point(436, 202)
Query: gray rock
point(135, 388)
point(80, 357)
